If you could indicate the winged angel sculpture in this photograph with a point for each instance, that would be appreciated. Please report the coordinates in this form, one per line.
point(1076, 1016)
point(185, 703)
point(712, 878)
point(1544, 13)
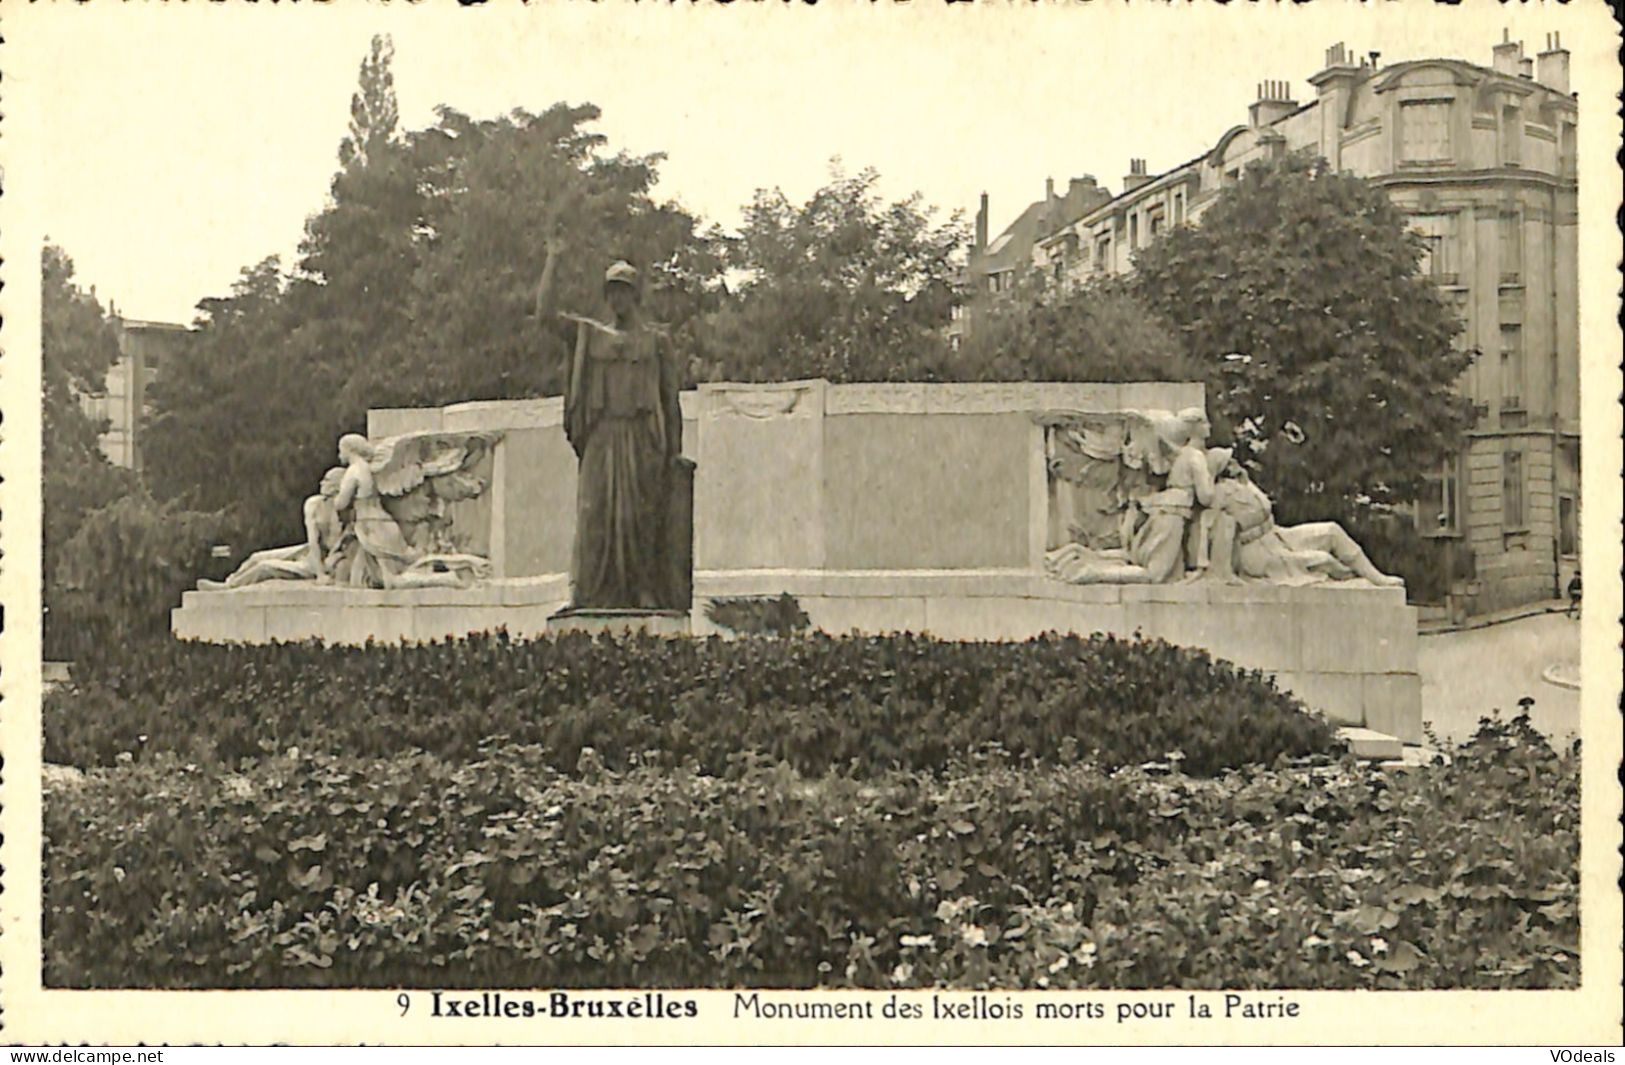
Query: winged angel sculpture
point(382, 518)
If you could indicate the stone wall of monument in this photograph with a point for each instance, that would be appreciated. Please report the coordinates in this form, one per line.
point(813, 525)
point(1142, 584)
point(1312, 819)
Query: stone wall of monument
point(806, 475)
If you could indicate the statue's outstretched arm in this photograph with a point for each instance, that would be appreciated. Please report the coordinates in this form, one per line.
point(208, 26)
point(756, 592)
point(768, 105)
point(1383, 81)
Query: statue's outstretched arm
point(545, 295)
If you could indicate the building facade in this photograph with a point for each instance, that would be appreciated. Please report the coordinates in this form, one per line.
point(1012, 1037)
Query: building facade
point(143, 349)
point(1483, 161)
point(996, 265)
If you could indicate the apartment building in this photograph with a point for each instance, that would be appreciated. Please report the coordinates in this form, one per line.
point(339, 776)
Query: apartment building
point(1483, 161)
point(143, 349)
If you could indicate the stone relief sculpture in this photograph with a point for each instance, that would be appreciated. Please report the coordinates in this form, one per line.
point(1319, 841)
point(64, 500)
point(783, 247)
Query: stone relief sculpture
point(1139, 499)
point(381, 518)
point(1131, 486)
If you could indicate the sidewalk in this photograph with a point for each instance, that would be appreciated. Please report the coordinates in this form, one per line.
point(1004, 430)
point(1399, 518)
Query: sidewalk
point(1497, 617)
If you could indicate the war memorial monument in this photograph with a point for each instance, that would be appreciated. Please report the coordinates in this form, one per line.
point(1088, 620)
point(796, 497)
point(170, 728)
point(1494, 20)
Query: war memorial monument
point(966, 511)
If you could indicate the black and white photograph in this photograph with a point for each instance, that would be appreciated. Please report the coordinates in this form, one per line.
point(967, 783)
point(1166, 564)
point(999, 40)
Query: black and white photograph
point(766, 522)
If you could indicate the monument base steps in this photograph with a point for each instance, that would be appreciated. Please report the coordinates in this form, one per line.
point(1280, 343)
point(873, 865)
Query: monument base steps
point(1372, 745)
point(622, 622)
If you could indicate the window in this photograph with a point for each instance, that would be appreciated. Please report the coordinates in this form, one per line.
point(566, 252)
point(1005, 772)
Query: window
point(1179, 208)
point(1103, 253)
point(1438, 511)
point(1568, 163)
point(1134, 231)
point(1424, 130)
point(1511, 136)
point(1060, 268)
point(1510, 240)
point(1511, 366)
point(1458, 303)
point(1153, 220)
point(1568, 526)
point(1512, 491)
point(1440, 259)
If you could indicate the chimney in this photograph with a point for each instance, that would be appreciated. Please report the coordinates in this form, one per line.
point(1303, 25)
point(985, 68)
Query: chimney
point(981, 224)
point(1136, 175)
point(1553, 71)
point(1334, 86)
point(1049, 190)
point(1273, 104)
point(1526, 68)
point(1339, 73)
point(1508, 55)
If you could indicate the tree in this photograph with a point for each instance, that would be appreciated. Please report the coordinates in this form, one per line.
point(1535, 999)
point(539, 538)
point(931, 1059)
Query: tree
point(247, 419)
point(845, 287)
point(415, 285)
point(230, 410)
point(114, 561)
point(1097, 332)
point(79, 344)
point(498, 190)
point(374, 113)
point(1327, 355)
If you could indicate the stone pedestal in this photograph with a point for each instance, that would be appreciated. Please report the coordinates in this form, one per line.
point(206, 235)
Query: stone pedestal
point(620, 622)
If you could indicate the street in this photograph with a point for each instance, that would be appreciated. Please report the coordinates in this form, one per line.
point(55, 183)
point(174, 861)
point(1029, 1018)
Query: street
point(1467, 674)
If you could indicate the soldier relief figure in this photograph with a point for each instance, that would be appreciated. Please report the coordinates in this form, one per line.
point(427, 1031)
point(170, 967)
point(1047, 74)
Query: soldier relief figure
point(313, 560)
point(623, 420)
point(380, 519)
point(1208, 521)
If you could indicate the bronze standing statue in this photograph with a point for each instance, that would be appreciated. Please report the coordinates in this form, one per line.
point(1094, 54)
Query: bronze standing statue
point(623, 420)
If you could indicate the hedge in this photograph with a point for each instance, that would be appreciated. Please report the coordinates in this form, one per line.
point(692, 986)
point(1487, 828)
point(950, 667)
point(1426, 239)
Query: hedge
point(859, 705)
point(306, 870)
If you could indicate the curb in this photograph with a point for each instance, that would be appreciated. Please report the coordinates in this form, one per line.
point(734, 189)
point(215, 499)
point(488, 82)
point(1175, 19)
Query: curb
point(1551, 676)
point(1486, 621)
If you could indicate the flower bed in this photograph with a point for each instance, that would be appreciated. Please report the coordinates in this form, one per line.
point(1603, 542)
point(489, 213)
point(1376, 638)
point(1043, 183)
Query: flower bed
point(855, 706)
point(316, 870)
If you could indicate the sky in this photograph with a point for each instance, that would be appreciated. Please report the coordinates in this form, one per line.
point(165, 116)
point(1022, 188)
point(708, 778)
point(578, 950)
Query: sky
point(178, 145)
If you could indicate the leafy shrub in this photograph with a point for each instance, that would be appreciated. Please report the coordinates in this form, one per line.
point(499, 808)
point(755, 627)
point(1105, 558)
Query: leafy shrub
point(307, 870)
point(759, 615)
point(1396, 546)
point(856, 705)
point(125, 569)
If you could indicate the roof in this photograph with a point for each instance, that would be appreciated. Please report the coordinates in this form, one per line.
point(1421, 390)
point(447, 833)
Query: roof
point(137, 323)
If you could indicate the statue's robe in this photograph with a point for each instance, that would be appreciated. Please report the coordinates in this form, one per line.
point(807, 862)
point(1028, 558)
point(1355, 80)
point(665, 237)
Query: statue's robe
point(622, 418)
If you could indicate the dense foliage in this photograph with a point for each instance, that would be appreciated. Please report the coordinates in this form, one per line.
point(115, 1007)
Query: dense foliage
point(846, 287)
point(860, 706)
point(126, 568)
point(79, 344)
point(113, 560)
point(758, 615)
point(306, 869)
point(1099, 332)
point(1395, 546)
point(1328, 356)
